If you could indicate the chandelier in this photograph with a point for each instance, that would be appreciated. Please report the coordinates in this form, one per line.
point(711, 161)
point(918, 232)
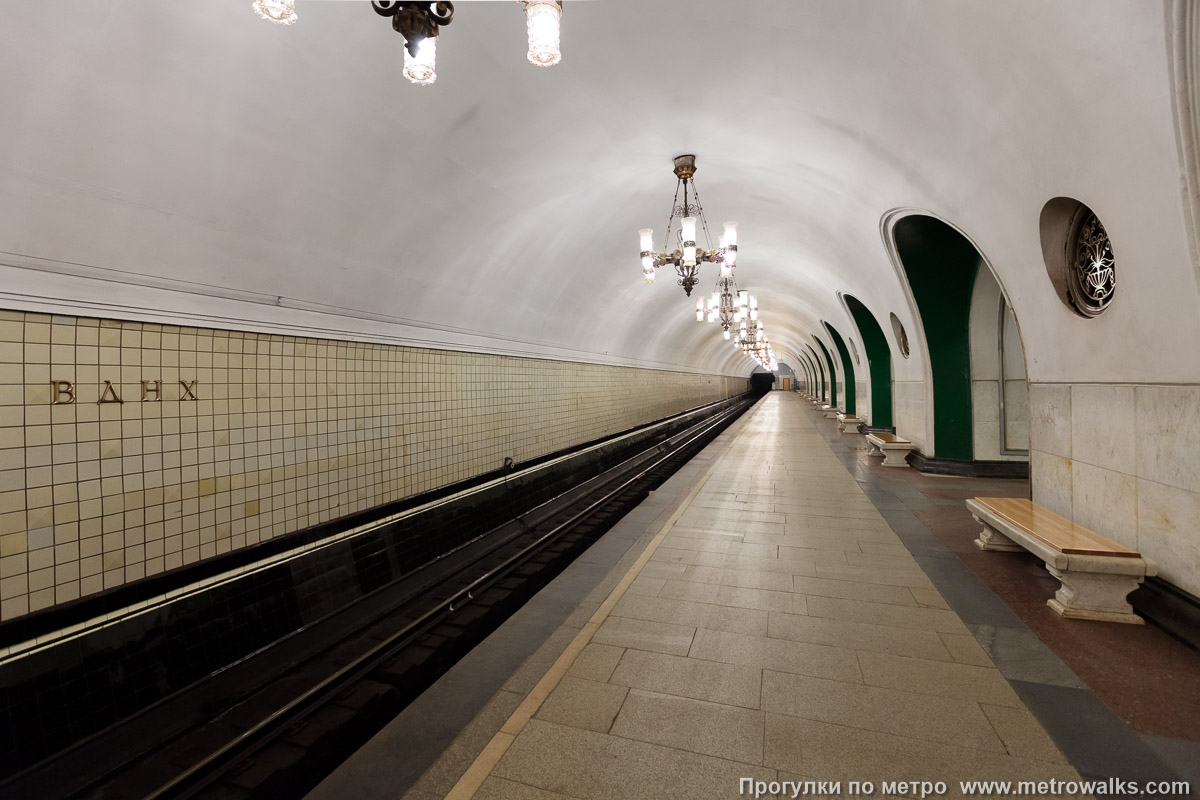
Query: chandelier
point(755, 343)
point(419, 22)
point(687, 257)
point(728, 306)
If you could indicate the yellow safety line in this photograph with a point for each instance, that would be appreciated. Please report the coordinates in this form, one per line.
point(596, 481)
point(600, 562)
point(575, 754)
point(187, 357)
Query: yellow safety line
point(483, 764)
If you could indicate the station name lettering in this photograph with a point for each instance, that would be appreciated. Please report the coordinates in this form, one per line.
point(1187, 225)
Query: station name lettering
point(63, 392)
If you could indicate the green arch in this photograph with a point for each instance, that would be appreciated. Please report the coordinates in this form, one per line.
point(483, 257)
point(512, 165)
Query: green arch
point(815, 360)
point(832, 373)
point(847, 368)
point(941, 266)
point(879, 362)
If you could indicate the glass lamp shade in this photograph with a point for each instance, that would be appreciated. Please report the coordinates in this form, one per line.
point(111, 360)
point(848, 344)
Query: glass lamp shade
point(646, 237)
point(421, 68)
point(754, 313)
point(542, 22)
point(699, 315)
point(648, 275)
point(699, 309)
point(729, 244)
point(281, 12)
point(743, 298)
point(728, 335)
point(753, 301)
point(726, 269)
point(689, 241)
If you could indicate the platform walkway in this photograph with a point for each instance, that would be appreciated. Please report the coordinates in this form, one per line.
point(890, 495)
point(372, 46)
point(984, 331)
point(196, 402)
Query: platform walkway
point(774, 628)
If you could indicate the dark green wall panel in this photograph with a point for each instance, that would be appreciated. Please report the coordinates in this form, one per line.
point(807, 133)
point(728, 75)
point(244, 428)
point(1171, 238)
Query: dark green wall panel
point(833, 401)
point(847, 369)
point(941, 266)
point(879, 362)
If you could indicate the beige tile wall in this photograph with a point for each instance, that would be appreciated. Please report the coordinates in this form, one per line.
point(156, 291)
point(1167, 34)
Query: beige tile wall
point(1123, 460)
point(285, 433)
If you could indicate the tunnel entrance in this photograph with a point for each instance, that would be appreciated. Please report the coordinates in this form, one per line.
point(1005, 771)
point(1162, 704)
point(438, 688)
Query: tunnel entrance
point(761, 382)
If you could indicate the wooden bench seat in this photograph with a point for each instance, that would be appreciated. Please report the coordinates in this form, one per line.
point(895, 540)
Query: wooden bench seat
point(849, 422)
point(1096, 573)
point(893, 449)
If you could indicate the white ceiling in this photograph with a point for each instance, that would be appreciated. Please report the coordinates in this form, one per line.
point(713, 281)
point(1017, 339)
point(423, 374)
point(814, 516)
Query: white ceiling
point(188, 161)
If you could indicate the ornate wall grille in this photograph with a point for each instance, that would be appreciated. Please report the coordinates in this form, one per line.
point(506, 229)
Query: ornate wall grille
point(1091, 273)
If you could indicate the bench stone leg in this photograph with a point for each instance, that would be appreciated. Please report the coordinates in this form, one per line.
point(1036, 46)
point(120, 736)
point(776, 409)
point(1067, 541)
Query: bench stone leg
point(831, 414)
point(874, 449)
point(1094, 595)
point(849, 426)
point(895, 458)
point(992, 539)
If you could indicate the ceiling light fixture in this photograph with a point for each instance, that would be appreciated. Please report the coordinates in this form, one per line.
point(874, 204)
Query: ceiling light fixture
point(418, 23)
point(727, 305)
point(541, 20)
point(281, 12)
point(687, 257)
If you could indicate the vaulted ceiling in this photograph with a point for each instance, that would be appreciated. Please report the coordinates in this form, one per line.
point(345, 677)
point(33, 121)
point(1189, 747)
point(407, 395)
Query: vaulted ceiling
point(188, 162)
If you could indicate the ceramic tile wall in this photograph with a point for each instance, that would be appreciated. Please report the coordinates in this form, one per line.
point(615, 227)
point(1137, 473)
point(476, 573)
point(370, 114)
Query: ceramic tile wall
point(1123, 460)
point(283, 433)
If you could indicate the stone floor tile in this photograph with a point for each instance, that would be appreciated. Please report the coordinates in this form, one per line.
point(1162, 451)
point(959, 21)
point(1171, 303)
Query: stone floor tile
point(802, 564)
point(965, 649)
point(659, 637)
point(746, 579)
point(1022, 735)
point(594, 766)
point(730, 596)
point(930, 598)
point(929, 619)
point(825, 751)
point(694, 725)
point(803, 658)
point(852, 590)
point(945, 679)
point(912, 578)
point(948, 720)
point(583, 704)
point(596, 662)
point(883, 548)
point(700, 615)
point(858, 635)
point(673, 555)
point(646, 586)
point(728, 684)
point(500, 789)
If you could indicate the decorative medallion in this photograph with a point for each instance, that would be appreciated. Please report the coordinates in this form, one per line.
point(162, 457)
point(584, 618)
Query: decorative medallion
point(1091, 275)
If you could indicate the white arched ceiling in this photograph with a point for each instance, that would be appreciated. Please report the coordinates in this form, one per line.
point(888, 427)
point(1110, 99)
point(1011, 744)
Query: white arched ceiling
point(188, 161)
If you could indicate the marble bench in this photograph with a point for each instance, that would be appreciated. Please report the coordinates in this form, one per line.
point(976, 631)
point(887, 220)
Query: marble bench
point(849, 423)
point(1096, 573)
point(893, 449)
point(831, 412)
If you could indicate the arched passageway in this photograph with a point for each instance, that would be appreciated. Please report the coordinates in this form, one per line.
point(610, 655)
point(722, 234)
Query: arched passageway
point(833, 382)
point(941, 266)
point(847, 370)
point(879, 362)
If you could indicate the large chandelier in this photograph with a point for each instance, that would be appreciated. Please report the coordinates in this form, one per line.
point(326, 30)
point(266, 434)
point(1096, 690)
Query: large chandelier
point(687, 257)
point(418, 23)
point(728, 306)
point(755, 343)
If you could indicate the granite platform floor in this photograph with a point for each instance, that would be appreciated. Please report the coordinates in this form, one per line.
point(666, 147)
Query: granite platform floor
point(779, 618)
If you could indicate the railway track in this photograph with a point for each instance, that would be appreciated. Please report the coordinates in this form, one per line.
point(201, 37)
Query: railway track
point(279, 736)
